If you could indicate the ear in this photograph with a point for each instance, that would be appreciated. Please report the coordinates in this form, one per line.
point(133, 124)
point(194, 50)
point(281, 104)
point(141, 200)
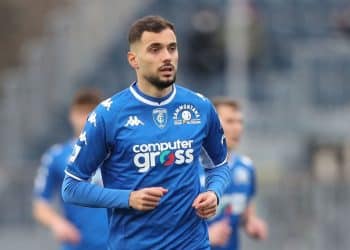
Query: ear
point(132, 59)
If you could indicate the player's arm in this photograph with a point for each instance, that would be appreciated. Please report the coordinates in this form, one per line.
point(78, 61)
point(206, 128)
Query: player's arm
point(217, 175)
point(90, 151)
point(46, 184)
point(83, 193)
point(219, 232)
point(62, 229)
point(253, 225)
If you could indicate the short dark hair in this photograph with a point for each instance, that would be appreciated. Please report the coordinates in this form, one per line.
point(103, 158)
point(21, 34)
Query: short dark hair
point(223, 100)
point(87, 97)
point(154, 24)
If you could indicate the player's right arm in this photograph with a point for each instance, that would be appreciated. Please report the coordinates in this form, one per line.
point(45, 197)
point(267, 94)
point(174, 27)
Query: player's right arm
point(90, 151)
point(254, 226)
point(46, 185)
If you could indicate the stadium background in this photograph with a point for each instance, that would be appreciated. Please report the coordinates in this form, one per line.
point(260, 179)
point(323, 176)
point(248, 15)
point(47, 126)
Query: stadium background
point(287, 61)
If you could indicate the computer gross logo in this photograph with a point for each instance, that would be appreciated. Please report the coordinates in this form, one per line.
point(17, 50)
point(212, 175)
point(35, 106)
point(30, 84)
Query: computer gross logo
point(162, 153)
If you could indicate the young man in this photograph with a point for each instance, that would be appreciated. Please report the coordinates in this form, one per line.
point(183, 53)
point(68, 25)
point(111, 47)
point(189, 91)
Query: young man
point(236, 207)
point(76, 228)
point(147, 139)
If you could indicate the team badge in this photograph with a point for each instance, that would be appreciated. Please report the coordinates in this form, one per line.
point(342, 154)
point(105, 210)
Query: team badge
point(160, 117)
point(186, 114)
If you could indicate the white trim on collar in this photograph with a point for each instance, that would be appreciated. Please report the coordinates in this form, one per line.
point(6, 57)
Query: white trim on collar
point(152, 103)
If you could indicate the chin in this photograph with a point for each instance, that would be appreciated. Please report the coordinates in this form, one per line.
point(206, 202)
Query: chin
point(168, 79)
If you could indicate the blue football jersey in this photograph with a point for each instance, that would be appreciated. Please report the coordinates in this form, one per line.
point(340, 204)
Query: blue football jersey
point(236, 198)
point(91, 222)
point(141, 141)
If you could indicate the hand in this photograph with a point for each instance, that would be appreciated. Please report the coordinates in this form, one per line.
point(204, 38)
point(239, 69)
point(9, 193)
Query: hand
point(256, 228)
point(205, 204)
point(64, 231)
point(219, 233)
point(147, 198)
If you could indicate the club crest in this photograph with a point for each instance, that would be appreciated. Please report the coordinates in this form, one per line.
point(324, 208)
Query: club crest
point(160, 117)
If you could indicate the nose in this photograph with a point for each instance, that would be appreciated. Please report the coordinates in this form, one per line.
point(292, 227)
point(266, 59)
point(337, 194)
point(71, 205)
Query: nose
point(166, 56)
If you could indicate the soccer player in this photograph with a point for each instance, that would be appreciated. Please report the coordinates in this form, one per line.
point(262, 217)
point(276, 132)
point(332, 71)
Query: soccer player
point(76, 228)
point(236, 208)
point(147, 139)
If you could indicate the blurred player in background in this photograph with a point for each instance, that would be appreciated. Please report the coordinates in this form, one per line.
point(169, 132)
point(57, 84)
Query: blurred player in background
point(76, 227)
point(148, 138)
point(236, 208)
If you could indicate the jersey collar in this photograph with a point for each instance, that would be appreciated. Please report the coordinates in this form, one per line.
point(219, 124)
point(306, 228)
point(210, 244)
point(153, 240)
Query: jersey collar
point(149, 100)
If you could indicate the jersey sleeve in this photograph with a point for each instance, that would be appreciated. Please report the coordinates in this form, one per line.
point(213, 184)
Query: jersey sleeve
point(90, 149)
point(217, 173)
point(46, 181)
point(215, 143)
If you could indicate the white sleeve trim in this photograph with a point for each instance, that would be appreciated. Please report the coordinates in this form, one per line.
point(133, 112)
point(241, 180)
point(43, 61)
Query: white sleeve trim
point(73, 176)
point(222, 163)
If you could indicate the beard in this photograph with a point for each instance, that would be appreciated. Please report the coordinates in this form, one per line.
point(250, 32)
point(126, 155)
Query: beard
point(158, 83)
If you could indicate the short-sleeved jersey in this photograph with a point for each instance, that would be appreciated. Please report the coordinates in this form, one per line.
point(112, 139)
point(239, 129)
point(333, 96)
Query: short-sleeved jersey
point(149, 142)
point(236, 197)
point(91, 222)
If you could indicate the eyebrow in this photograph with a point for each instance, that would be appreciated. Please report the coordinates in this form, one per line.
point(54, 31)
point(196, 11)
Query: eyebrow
point(160, 44)
point(171, 44)
point(155, 45)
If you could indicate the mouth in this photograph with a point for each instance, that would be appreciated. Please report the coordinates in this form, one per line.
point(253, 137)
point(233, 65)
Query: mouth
point(167, 69)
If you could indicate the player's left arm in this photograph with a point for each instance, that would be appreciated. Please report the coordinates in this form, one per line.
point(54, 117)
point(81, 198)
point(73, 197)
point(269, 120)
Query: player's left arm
point(217, 175)
point(254, 226)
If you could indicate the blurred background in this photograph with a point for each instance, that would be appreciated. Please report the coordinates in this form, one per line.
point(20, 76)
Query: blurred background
point(286, 61)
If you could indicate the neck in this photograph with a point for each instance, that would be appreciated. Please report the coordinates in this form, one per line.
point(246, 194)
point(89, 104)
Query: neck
point(150, 90)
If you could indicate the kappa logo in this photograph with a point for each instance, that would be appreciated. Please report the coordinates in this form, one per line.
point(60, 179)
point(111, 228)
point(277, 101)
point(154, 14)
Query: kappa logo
point(160, 117)
point(82, 137)
point(186, 114)
point(107, 103)
point(133, 121)
point(92, 118)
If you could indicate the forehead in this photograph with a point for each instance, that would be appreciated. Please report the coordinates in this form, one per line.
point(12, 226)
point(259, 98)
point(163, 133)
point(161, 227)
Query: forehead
point(166, 36)
point(226, 111)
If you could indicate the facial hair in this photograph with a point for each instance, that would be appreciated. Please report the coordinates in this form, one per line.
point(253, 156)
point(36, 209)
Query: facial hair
point(159, 84)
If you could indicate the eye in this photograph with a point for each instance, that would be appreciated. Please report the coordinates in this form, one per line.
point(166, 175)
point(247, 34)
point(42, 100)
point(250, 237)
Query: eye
point(154, 48)
point(172, 48)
